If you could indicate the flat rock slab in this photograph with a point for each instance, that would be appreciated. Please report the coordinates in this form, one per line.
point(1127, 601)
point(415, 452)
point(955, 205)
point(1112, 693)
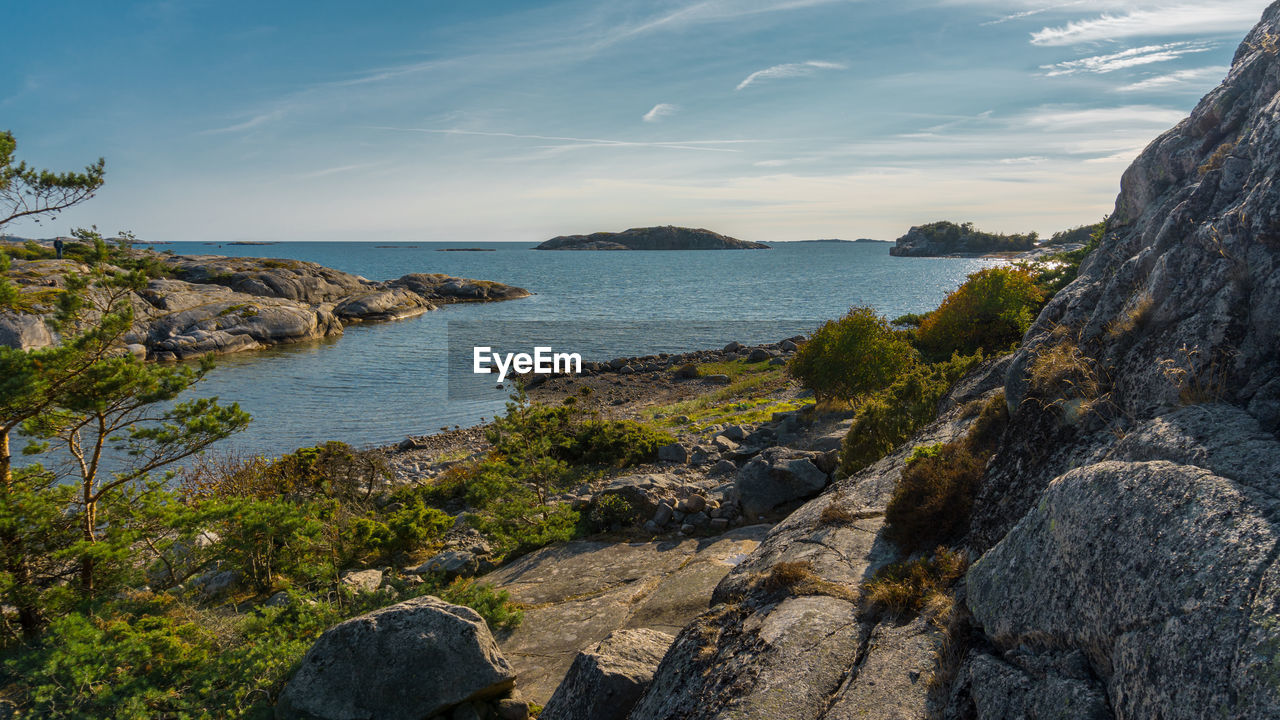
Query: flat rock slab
point(579, 592)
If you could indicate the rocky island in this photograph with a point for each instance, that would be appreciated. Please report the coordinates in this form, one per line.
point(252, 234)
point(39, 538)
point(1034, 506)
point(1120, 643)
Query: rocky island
point(948, 239)
point(194, 305)
point(667, 237)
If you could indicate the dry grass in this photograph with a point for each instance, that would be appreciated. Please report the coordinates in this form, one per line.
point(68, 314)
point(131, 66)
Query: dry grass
point(1134, 317)
point(797, 578)
point(915, 586)
point(1197, 381)
point(1217, 158)
point(1063, 376)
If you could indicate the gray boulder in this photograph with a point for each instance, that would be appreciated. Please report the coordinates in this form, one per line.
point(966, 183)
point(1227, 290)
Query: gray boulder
point(605, 681)
point(409, 661)
point(361, 580)
point(777, 478)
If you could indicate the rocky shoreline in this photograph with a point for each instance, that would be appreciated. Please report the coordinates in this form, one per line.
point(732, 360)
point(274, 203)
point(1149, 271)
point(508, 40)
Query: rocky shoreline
point(195, 305)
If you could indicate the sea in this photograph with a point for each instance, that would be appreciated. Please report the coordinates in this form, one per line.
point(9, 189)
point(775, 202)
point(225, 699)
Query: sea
point(378, 383)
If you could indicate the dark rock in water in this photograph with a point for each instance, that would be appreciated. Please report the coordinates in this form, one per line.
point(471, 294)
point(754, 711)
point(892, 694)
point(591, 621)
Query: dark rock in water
point(605, 681)
point(651, 238)
point(408, 661)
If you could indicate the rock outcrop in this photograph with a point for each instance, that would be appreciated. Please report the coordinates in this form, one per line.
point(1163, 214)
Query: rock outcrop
point(414, 660)
point(578, 593)
point(667, 237)
point(605, 681)
point(787, 637)
point(215, 304)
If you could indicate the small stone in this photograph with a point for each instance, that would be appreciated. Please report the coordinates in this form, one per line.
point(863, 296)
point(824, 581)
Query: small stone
point(719, 524)
point(511, 709)
point(674, 452)
point(687, 529)
point(663, 514)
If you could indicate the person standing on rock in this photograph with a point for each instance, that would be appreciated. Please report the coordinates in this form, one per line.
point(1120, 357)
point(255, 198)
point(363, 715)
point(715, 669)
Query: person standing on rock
point(57, 247)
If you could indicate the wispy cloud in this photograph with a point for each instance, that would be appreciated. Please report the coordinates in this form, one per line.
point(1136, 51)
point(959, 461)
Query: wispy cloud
point(660, 111)
point(335, 170)
point(1132, 57)
point(1197, 78)
point(789, 70)
point(698, 145)
point(1029, 13)
point(253, 122)
point(1120, 117)
point(1208, 17)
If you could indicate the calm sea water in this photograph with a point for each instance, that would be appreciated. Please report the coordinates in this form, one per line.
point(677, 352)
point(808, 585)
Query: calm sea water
point(377, 383)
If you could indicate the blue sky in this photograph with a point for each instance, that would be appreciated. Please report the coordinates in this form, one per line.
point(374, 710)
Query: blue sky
point(500, 120)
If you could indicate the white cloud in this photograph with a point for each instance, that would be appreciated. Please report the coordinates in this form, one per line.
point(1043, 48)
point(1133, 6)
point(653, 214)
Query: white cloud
point(1197, 78)
point(1029, 13)
point(660, 111)
point(1132, 57)
point(789, 70)
point(249, 124)
point(1208, 17)
point(1129, 116)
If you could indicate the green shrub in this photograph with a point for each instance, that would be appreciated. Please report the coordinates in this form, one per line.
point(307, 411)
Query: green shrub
point(618, 443)
point(933, 501)
point(889, 418)
point(853, 356)
point(494, 606)
point(990, 312)
point(610, 510)
point(268, 541)
point(409, 527)
point(155, 658)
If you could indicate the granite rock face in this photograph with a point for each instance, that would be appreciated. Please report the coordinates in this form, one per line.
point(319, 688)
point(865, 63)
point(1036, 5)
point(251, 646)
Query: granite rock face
point(1128, 529)
point(409, 661)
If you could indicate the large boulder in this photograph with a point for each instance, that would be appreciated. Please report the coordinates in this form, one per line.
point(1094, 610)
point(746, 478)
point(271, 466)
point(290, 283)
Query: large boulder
point(778, 479)
point(381, 305)
point(606, 680)
point(25, 332)
point(409, 661)
point(1161, 572)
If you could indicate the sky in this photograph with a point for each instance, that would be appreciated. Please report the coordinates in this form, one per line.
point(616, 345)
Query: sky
point(767, 120)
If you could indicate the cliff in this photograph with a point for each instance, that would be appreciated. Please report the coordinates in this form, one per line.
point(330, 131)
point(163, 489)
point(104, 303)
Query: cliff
point(195, 305)
point(1124, 539)
point(651, 238)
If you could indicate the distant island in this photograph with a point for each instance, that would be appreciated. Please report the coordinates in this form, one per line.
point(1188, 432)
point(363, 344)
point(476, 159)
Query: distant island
point(947, 238)
point(838, 240)
point(651, 238)
point(465, 250)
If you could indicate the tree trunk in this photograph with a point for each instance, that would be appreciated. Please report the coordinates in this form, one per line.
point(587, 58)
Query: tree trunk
point(90, 536)
point(6, 464)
